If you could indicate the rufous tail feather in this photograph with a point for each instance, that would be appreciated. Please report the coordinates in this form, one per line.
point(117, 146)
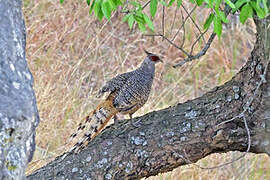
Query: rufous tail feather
point(93, 124)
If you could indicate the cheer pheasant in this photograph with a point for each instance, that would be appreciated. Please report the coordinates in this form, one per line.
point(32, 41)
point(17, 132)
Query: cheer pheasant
point(127, 93)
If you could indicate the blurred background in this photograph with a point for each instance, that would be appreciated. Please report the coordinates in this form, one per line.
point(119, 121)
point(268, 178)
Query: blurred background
point(71, 55)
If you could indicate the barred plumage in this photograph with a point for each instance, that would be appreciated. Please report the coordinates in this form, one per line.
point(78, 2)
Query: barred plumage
point(128, 92)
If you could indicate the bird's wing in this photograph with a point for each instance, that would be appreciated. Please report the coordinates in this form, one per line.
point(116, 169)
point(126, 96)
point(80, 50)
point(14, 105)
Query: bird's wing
point(135, 92)
point(116, 83)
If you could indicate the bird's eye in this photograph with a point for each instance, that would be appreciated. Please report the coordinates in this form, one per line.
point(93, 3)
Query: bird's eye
point(154, 58)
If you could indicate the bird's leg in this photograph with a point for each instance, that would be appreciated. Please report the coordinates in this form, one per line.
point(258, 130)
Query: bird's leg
point(115, 121)
point(126, 127)
point(132, 121)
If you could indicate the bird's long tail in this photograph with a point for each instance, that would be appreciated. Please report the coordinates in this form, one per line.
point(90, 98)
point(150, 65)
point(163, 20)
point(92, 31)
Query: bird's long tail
point(93, 124)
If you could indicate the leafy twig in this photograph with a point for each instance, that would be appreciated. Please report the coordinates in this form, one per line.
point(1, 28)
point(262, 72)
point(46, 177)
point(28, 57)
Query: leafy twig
point(146, 4)
point(198, 55)
point(196, 25)
point(172, 43)
point(182, 25)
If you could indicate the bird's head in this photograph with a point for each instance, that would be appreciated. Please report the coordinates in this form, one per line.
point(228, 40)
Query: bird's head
point(152, 57)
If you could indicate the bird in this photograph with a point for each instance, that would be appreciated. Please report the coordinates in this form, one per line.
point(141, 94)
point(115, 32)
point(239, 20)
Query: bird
point(127, 93)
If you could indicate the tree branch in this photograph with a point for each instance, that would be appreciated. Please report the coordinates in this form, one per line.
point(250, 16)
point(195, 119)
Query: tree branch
point(18, 111)
point(181, 134)
point(199, 54)
point(169, 41)
point(207, 45)
point(172, 137)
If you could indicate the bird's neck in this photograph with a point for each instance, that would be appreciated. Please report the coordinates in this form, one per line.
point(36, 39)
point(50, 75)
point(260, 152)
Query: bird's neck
point(147, 67)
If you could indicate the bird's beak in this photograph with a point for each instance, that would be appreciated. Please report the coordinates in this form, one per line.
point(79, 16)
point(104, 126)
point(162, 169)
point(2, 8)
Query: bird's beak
point(148, 53)
point(160, 60)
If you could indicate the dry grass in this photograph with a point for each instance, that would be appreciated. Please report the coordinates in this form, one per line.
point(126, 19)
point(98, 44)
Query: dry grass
point(71, 55)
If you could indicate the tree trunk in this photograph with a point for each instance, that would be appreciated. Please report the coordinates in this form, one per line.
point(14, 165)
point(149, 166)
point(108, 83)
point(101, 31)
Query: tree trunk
point(184, 133)
point(18, 111)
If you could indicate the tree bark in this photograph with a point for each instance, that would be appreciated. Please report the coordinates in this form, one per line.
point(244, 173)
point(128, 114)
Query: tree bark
point(183, 133)
point(18, 111)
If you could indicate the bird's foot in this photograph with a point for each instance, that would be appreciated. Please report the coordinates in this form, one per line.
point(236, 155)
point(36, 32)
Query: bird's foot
point(115, 122)
point(135, 123)
point(132, 123)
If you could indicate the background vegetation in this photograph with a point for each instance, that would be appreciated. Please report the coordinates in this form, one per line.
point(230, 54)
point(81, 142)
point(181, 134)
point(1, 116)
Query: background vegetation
point(72, 54)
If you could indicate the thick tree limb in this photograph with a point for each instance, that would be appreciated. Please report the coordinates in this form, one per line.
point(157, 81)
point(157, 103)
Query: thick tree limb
point(183, 133)
point(18, 110)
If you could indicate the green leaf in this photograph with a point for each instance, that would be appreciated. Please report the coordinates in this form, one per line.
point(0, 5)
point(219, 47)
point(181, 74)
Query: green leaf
point(170, 3)
point(142, 27)
point(246, 11)
point(179, 3)
point(97, 7)
point(199, 2)
point(61, 1)
point(148, 22)
point(259, 11)
point(112, 4)
point(265, 7)
point(222, 16)
point(100, 15)
point(92, 7)
point(217, 26)
point(88, 2)
point(230, 3)
point(135, 3)
point(153, 7)
point(211, 4)
point(258, 2)
point(208, 21)
point(117, 2)
point(163, 3)
point(192, 1)
point(131, 21)
point(218, 2)
point(126, 17)
point(139, 18)
point(106, 9)
point(238, 4)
